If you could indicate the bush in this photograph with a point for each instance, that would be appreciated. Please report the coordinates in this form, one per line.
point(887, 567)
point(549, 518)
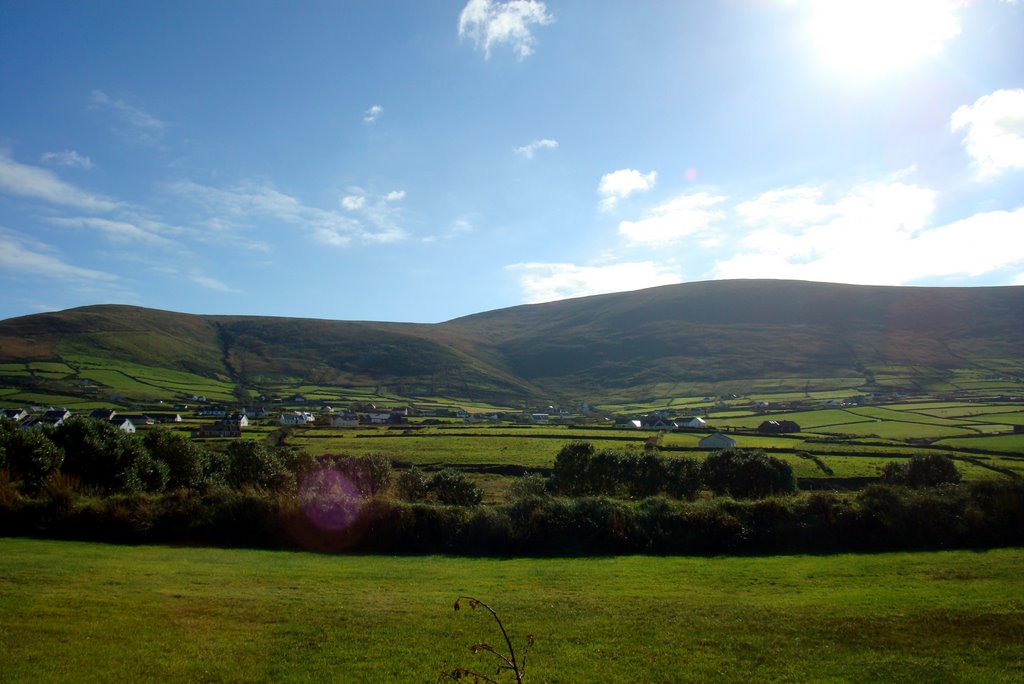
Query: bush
point(747, 474)
point(452, 487)
point(368, 475)
point(527, 486)
point(928, 470)
point(412, 485)
point(682, 477)
point(581, 471)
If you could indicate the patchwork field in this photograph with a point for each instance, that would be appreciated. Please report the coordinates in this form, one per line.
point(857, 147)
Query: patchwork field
point(854, 440)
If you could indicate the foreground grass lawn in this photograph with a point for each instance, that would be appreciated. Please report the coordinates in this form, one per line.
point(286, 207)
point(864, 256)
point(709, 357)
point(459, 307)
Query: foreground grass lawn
point(90, 612)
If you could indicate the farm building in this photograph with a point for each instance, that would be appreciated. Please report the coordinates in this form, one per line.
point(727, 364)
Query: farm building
point(239, 419)
point(212, 412)
point(220, 430)
point(344, 420)
point(123, 424)
point(659, 424)
point(15, 414)
point(717, 441)
point(778, 427)
point(55, 417)
point(695, 422)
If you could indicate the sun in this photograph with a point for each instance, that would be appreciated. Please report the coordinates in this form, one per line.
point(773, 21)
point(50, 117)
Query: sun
point(868, 38)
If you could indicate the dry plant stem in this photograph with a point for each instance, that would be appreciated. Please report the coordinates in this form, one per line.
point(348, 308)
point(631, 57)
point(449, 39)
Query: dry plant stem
point(510, 660)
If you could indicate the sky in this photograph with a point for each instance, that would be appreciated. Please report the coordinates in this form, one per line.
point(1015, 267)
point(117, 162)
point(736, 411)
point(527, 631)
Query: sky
point(420, 161)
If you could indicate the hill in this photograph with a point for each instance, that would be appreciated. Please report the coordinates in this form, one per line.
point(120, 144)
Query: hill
point(633, 344)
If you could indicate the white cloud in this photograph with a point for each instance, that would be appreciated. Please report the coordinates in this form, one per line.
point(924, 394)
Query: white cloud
point(43, 184)
point(460, 227)
point(488, 24)
point(455, 229)
point(980, 244)
point(118, 231)
point(690, 214)
point(136, 124)
point(623, 183)
point(786, 206)
point(211, 283)
point(993, 132)
point(69, 158)
point(546, 282)
point(395, 196)
point(258, 201)
point(874, 233)
point(531, 149)
point(19, 256)
point(372, 114)
point(353, 202)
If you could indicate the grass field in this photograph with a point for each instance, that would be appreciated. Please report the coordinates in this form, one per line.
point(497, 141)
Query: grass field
point(89, 612)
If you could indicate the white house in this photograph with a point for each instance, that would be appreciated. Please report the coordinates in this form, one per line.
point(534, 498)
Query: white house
point(123, 424)
point(16, 415)
point(55, 417)
point(717, 441)
point(297, 418)
point(212, 412)
point(344, 420)
point(695, 422)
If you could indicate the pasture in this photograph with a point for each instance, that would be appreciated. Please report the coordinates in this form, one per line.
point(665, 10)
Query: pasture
point(156, 613)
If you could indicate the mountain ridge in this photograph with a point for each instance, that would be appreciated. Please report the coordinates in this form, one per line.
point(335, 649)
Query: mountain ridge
point(621, 343)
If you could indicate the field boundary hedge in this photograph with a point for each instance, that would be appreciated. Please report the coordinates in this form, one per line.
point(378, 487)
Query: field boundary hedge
point(880, 518)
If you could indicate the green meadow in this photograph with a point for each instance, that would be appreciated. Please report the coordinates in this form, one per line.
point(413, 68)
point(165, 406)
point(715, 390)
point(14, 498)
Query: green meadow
point(90, 612)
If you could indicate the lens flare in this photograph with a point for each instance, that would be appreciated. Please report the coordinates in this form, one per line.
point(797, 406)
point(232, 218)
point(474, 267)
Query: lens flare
point(329, 500)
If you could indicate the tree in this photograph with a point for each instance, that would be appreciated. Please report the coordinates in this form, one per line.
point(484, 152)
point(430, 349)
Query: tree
point(101, 456)
point(572, 465)
point(747, 474)
point(254, 464)
point(188, 462)
point(28, 454)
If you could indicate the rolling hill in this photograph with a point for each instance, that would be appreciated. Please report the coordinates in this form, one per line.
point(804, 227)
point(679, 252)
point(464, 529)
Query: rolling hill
point(626, 344)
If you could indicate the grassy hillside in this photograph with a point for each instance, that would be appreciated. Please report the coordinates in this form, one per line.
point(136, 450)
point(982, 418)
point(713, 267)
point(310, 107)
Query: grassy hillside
point(633, 345)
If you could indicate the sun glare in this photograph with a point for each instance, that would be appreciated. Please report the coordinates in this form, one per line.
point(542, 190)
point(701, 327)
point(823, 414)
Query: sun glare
point(868, 38)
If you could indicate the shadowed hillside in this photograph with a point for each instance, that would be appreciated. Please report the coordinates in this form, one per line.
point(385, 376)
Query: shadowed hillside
point(688, 333)
point(721, 330)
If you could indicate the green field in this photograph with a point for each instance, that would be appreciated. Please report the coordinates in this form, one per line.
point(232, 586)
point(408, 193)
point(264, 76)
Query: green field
point(89, 612)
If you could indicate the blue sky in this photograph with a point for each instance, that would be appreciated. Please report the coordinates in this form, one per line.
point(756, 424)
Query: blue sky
point(419, 161)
